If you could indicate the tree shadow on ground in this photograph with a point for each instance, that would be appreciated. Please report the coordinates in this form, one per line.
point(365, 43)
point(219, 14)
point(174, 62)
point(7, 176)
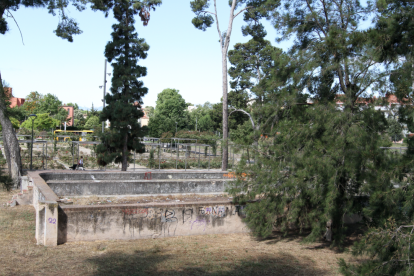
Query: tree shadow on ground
point(353, 233)
point(159, 263)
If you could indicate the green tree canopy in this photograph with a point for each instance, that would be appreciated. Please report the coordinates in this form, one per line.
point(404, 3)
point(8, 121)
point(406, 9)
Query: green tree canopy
point(92, 123)
point(49, 104)
point(67, 27)
point(313, 159)
point(42, 122)
point(170, 111)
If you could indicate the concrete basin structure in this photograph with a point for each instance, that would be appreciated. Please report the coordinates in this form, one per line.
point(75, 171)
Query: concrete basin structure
point(57, 222)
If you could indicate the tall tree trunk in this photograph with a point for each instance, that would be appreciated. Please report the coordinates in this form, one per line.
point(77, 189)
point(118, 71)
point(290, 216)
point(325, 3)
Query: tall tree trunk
point(6, 152)
point(224, 49)
point(224, 145)
point(125, 154)
point(10, 139)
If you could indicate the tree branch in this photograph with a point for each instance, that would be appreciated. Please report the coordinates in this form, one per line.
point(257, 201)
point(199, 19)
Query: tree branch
point(245, 112)
point(209, 12)
point(242, 11)
point(21, 35)
point(217, 22)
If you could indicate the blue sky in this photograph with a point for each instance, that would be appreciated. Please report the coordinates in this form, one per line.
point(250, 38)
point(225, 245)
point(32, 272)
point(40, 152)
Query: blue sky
point(180, 56)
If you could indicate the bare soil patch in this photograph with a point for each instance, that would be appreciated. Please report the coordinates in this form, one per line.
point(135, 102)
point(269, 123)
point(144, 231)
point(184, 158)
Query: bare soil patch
point(235, 254)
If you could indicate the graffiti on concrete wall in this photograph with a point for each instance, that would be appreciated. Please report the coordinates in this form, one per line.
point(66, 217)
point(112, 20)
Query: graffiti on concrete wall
point(216, 211)
point(136, 222)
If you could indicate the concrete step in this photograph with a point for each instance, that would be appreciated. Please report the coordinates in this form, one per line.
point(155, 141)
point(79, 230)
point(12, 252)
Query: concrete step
point(25, 198)
point(138, 187)
point(149, 175)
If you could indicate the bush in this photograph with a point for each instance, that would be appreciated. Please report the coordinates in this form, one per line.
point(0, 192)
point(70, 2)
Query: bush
point(5, 181)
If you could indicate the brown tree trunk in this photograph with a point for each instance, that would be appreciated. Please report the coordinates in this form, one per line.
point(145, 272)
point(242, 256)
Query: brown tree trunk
point(125, 154)
point(7, 153)
point(10, 139)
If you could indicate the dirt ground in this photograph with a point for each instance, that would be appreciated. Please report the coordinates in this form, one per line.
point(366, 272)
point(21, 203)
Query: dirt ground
point(234, 254)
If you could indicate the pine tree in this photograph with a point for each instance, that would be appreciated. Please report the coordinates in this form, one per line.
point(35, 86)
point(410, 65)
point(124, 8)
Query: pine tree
point(123, 104)
point(316, 163)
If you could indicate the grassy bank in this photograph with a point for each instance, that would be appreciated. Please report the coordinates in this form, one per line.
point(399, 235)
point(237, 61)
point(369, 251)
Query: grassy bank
point(235, 254)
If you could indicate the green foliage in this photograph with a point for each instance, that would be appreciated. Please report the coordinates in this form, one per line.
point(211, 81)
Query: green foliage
point(49, 104)
point(313, 163)
point(15, 123)
point(67, 27)
point(151, 160)
point(92, 123)
point(42, 122)
point(170, 112)
point(75, 105)
point(123, 51)
point(243, 135)
point(32, 102)
point(394, 129)
point(5, 181)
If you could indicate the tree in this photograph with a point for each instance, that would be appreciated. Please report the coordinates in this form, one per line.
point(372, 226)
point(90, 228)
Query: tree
point(49, 104)
point(42, 122)
point(61, 116)
point(75, 106)
point(15, 123)
point(196, 114)
point(202, 21)
point(313, 159)
point(11, 145)
point(121, 110)
point(92, 123)
point(33, 102)
point(170, 113)
point(252, 64)
point(205, 123)
point(67, 27)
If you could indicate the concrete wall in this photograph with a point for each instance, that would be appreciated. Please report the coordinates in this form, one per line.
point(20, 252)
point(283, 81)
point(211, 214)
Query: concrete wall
point(58, 223)
point(87, 223)
point(143, 187)
point(150, 175)
point(46, 207)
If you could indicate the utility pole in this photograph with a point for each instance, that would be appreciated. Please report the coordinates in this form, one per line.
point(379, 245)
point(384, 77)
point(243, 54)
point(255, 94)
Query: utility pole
point(104, 93)
point(103, 100)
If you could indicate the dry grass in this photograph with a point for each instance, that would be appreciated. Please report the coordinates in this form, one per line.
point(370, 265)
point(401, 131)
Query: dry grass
point(236, 254)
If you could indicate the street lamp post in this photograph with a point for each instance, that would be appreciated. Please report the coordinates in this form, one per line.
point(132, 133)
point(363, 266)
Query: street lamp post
point(175, 127)
point(31, 150)
point(104, 93)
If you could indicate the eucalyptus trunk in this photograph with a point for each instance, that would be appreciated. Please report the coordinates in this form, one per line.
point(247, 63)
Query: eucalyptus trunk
point(11, 145)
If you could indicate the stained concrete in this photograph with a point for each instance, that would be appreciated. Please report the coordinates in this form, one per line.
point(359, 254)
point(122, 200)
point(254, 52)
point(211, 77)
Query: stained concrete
point(141, 175)
point(60, 223)
point(140, 221)
point(137, 187)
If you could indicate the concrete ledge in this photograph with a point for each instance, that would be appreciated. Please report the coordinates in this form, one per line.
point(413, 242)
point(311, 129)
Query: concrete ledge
point(134, 175)
point(137, 187)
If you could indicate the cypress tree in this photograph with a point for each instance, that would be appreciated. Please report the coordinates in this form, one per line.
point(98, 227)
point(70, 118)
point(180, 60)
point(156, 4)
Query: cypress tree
point(123, 104)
